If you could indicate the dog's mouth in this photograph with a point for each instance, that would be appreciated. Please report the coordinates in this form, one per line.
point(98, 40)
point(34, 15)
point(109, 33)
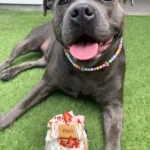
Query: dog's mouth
point(86, 48)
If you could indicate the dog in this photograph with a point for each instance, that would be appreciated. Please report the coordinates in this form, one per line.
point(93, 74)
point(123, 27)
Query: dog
point(83, 54)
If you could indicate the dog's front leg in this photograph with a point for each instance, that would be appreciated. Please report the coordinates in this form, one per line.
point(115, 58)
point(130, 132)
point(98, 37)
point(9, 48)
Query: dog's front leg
point(37, 95)
point(113, 117)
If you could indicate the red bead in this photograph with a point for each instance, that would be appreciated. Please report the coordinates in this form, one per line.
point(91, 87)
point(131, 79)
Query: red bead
point(79, 67)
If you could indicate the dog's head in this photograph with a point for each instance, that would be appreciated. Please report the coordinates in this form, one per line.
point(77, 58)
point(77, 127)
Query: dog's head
point(86, 28)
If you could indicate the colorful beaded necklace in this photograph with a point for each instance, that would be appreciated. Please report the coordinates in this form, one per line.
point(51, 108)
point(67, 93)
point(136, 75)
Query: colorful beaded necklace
point(106, 64)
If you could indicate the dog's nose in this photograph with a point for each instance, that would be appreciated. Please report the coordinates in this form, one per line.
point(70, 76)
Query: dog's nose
point(82, 13)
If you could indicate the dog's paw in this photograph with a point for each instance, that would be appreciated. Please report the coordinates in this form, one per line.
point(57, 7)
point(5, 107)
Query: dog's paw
point(5, 121)
point(4, 66)
point(2, 123)
point(6, 75)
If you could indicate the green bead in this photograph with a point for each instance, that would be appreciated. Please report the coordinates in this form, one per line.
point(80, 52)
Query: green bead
point(109, 61)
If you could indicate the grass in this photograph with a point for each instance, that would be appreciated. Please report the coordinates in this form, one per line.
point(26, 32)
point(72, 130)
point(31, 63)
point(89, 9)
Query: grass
point(28, 133)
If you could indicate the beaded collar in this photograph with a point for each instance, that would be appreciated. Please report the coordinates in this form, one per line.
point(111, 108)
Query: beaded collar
point(106, 64)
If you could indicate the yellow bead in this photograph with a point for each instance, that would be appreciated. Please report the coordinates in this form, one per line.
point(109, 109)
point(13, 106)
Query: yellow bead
point(118, 52)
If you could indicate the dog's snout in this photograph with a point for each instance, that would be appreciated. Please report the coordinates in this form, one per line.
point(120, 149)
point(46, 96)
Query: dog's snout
point(82, 13)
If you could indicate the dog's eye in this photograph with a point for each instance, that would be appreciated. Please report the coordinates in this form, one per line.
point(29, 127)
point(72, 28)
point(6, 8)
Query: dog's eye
point(63, 2)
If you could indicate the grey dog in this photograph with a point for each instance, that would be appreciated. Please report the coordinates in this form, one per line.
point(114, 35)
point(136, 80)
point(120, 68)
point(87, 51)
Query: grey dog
point(77, 26)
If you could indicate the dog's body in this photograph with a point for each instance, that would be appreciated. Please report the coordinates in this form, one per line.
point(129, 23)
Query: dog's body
point(105, 21)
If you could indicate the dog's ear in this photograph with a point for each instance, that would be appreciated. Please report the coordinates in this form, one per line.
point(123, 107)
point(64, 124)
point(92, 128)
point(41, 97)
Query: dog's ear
point(47, 5)
point(132, 2)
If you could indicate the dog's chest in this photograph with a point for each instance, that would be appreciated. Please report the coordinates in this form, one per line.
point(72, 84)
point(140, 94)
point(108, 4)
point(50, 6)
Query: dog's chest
point(76, 85)
point(74, 82)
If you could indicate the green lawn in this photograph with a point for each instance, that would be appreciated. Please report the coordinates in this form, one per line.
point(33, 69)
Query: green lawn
point(28, 133)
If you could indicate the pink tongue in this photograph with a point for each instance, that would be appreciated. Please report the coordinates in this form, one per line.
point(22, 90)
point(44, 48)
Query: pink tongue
point(84, 52)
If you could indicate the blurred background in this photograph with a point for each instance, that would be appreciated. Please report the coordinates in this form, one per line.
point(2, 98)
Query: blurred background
point(141, 7)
